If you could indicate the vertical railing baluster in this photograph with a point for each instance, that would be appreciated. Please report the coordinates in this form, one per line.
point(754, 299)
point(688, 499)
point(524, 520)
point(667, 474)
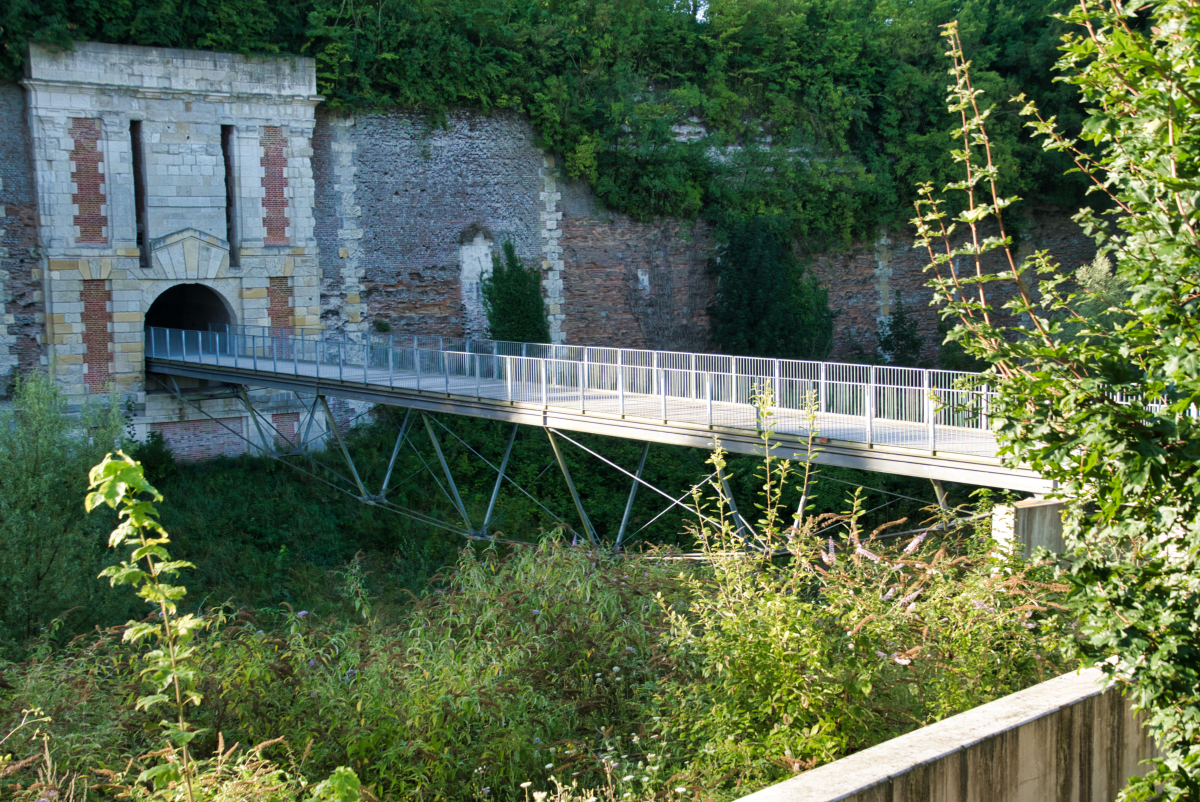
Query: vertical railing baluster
point(391, 361)
point(708, 396)
point(545, 393)
point(869, 404)
point(926, 387)
point(341, 360)
point(621, 382)
point(663, 385)
point(506, 365)
point(253, 349)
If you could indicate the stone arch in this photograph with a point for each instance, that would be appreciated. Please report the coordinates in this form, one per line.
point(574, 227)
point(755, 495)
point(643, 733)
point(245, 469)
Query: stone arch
point(195, 307)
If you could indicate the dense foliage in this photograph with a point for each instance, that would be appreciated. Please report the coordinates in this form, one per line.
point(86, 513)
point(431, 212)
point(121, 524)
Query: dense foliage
point(1101, 384)
point(262, 532)
point(823, 112)
point(552, 661)
point(512, 298)
point(51, 553)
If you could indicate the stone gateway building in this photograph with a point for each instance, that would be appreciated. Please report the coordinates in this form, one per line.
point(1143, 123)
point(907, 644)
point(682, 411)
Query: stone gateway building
point(144, 187)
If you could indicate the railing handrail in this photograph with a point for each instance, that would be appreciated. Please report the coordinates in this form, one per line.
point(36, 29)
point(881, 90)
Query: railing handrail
point(864, 403)
point(889, 373)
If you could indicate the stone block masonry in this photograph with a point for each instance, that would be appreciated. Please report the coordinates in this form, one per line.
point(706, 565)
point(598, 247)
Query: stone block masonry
point(158, 175)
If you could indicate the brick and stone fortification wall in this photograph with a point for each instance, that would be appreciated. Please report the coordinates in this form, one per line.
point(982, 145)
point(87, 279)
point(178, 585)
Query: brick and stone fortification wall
point(20, 277)
point(864, 282)
point(409, 214)
point(633, 284)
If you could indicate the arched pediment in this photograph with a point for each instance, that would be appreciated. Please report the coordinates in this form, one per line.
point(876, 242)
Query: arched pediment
point(188, 255)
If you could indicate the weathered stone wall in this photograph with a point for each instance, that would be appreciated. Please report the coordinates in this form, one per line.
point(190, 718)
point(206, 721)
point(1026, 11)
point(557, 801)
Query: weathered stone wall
point(633, 284)
point(864, 282)
point(20, 278)
point(399, 201)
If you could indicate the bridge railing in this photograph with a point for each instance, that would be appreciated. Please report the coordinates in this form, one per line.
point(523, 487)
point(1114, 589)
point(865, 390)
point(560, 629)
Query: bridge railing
point(879, 405)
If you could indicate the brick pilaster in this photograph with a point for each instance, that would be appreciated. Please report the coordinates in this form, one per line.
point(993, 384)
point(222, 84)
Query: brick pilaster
point(274, 181)
point(97, 333)
point(91, 214)
point(279, 302)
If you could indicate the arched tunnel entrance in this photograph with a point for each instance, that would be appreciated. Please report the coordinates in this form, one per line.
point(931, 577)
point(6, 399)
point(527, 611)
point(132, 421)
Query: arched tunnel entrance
point(189, 306)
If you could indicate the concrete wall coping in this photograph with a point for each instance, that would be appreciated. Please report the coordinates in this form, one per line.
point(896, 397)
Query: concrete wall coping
point(170, 70)
point(898, 756)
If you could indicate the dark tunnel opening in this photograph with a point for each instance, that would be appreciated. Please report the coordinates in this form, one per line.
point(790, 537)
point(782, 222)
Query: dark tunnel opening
point(193, 307)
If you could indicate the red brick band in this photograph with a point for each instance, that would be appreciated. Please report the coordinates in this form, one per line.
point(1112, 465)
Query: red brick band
point(97, 334)
point(87, 157)
point(274, 181)
point(195, 440)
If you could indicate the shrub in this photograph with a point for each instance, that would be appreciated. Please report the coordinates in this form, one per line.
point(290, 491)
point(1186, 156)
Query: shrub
point(512, 298)
point(811, 639)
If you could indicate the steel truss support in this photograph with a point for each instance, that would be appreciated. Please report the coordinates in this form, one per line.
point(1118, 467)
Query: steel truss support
point(437, 447)
point(268, 446)
point(362, 490)
point(387, 477)
point(743, 528)
point(487, 516)
point(940, 492)
point(562, 464)
point(637, 480)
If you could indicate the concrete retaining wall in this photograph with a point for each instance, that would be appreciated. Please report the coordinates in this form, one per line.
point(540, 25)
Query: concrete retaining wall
point(1062, 740)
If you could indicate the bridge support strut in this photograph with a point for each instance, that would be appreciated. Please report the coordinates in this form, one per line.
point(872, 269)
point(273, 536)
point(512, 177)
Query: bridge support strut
point(487, 516)
point(637, 480)
point(437, 447)
point(362, 490)
point(566, 472)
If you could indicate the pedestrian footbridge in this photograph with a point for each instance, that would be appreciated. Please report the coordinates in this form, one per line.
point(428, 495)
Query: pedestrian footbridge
point(907, 421)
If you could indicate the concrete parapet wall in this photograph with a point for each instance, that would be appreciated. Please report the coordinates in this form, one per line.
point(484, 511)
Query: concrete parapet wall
point(1065, 740)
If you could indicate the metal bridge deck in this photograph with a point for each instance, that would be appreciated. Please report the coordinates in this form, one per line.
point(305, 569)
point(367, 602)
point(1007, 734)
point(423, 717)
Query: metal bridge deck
point(928, 424)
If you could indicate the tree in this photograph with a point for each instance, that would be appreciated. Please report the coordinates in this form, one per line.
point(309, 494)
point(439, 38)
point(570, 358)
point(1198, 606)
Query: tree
point(512, 298)
point(1106, 406)
point(766, 305)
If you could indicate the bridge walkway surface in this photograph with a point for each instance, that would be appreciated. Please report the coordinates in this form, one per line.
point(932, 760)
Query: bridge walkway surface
point(906, 421)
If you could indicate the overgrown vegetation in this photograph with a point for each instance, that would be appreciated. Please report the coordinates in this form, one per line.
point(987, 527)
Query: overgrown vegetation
point(51, 552)
point(766, 305)
point(823, 113)
point(512, 299)
point(561, 664)
point(1099, 384)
